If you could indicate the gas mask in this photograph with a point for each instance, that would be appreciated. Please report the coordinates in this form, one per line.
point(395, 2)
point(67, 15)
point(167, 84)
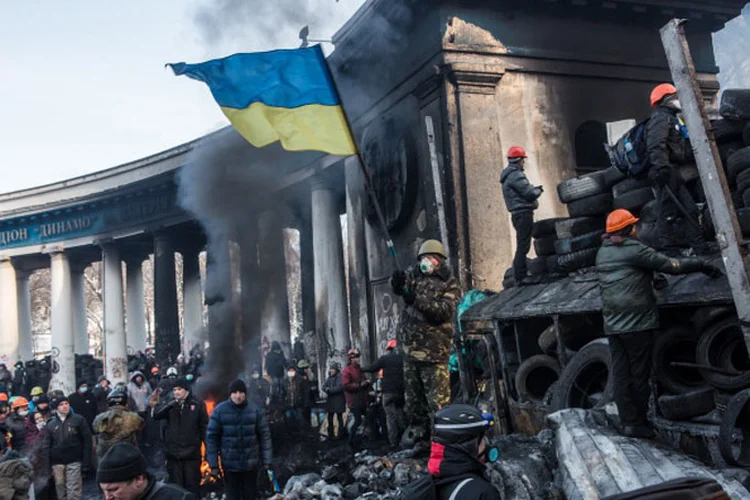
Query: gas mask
point(490, 454)
point(256, 376)
point(428, 265)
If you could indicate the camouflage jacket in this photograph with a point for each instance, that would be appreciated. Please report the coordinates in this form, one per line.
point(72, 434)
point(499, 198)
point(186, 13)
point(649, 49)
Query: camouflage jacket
point(425, 327)
point(116, 425)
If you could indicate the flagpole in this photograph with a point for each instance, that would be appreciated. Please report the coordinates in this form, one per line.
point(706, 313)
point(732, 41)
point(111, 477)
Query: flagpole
point(368, 179)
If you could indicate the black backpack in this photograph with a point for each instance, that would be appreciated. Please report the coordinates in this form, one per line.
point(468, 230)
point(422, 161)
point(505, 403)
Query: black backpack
point(425, 488)
point(630, 153)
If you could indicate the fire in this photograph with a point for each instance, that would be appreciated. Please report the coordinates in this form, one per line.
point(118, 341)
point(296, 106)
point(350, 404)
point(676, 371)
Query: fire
point(205, 468)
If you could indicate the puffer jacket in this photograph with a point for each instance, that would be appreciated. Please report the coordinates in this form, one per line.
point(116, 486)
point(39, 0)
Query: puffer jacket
point(16, 476)
point(392, 364)
point(665, 144)
point(17, 426)
point(241, 435)
point(186, 427)
point(333, 387)
point(518, 192)
point(140, 393)
point(67, 441)
point(425, 328)
point(625, 268)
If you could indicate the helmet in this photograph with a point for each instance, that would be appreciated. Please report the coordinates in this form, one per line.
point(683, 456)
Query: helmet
point(459, 423)
point(171, 371)
point(19, 364)
point(37, 391)
point(620, 219)
point(19, 402)
point(155, 370)
point(660, 92)
point(3, 397)
point(432, 246)
point(353, 353)
point(516, 152)
point(303, 364)
point(117, 397)
point(335, 366)
point(391, 344)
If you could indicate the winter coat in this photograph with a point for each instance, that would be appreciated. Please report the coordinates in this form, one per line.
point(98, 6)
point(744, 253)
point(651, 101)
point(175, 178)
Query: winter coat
point(625, 269)
point(67, 441)
point(519, 194)
point(186, 427)
point(334, 388)
point(100, 396)
point(258, 391)
point(664, 142)
point(139, 394)
point(17, 427)
point(392, 364)
point(275, 362)
point(16, 477)
point(241, 435)
point(115, 426)
point(20, 382)
point(6, 379)
point(425, 327)
point(297, 392)
point(33, 443)
point(158, 490)
point(451, 463)
point(84, 405)
point(352, 378)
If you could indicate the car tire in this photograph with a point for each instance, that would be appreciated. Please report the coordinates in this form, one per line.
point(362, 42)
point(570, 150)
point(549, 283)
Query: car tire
point(687, 405)
point(582, 187)
point(613, 175)
point(629, 185)
point(737, 414)
point(545, 246)
point(737, 162)
point(570, 245)
point(545, 227)
point(572, 227)
point(537, 266)
point(585, 382)
point(577, 260)
point(704, 317)
point(548, 340)
point(746, 134)
point(711, 349)
point(552, 266)
point(676, 344)
point(743, 217)
point(599, 204)
point(726, 130)
point(535, 376)
point(743, 180)
point(735, 104)
point(634, 200)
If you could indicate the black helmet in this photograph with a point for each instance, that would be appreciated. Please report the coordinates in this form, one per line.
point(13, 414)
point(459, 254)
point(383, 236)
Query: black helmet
point(458, 424)
point(118, 397)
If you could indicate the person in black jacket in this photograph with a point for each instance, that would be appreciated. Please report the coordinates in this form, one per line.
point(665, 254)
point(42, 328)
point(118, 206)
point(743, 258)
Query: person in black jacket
point(258, 389)
point(100, 392)
point(668, 146)
point(392, 387)
point(275, 366)
point(122, 475)
point(238, 432)
point(336, 402)
point(21, 384)
point(187, 420)
point(521, 201)
point(458, 453)
point(296, 401)
point(84, 403)
point(66, 446)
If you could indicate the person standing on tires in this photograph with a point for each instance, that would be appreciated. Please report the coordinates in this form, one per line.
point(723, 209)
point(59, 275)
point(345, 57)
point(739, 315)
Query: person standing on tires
point(521, 201)
point(668, 146)
point(425, 330)
point(625, 268)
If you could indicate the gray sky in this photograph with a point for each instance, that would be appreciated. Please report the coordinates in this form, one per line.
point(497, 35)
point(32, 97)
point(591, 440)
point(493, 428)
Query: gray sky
point(83, 85)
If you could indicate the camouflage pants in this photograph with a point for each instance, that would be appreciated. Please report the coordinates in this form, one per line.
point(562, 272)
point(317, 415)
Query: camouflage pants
point(68, 481)
point(427, 389)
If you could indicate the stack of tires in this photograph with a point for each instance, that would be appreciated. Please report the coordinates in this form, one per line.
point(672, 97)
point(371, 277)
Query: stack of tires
point(732, 133)
point(545, 240)
point(88, 369)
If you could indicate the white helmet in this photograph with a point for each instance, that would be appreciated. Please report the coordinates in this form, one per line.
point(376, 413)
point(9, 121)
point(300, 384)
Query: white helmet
point(171, 371)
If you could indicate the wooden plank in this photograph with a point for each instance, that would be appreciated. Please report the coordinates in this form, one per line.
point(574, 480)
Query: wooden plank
point(715, 185)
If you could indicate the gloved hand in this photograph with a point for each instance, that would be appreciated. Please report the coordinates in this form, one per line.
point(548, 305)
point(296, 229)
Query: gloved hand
point(398, 281)
point(409, 296)
point(215, 473)
point(712, 271)
point(662, 176)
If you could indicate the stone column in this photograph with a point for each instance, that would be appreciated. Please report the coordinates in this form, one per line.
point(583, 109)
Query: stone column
point(274, 315)
point(9, 334)
point(63, 339)
point(26, 341)
point(307, 274)
point(253, 294)
point(115, 344)
point(136, 313)
point(78, 300)
point(331, 321)
point(480, 222)
point(192, 300)
point(166, 321)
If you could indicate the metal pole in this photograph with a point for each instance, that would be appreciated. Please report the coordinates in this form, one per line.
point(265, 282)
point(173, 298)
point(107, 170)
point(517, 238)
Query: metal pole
point(436, 181)
point(728, 232)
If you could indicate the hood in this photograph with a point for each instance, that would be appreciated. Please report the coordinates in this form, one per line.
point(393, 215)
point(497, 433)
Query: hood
point(448, 460)
point(510, 169)
point(275, 346)
point(135, 374)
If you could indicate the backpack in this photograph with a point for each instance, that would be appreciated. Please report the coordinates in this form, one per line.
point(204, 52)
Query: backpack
point(630, 153)
point(425, 488)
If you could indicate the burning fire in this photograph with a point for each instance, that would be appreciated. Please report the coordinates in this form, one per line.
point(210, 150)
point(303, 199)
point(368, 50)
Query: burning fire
point(206, 477)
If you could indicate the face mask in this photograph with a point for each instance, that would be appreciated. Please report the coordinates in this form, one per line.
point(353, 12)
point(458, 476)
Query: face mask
point(291, 374)
point(40, 425)
point(83, 390)
point(426, 266)
point(675, 104)
point(23, 413)
point(35, 399)
point(256, 376)
point(490, 454)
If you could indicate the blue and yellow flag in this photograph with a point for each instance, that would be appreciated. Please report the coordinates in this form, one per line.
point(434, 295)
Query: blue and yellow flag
point(283, 95)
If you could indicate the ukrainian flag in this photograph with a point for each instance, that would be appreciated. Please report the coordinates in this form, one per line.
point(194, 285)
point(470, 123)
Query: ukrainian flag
point(283, 95)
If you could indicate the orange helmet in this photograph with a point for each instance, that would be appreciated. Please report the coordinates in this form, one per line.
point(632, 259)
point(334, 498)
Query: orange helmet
point(19, 402)
point(517, 152)
point(353, 353)
point(660, 92)
point(3, 396)
point(155, 370)
point(391, 344)
point(620, 219)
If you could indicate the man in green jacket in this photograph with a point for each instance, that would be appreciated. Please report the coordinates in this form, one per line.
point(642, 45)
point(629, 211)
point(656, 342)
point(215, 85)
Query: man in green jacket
point(625, 268)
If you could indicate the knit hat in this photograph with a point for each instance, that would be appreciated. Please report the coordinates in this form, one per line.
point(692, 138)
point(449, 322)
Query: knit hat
point(122, 462)
point(42, 400)
point(58, 400)
point(181, 382)
point(237, 385)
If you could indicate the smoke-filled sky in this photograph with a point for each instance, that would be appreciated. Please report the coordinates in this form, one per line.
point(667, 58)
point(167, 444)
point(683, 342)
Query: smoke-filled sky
point(83, 85)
